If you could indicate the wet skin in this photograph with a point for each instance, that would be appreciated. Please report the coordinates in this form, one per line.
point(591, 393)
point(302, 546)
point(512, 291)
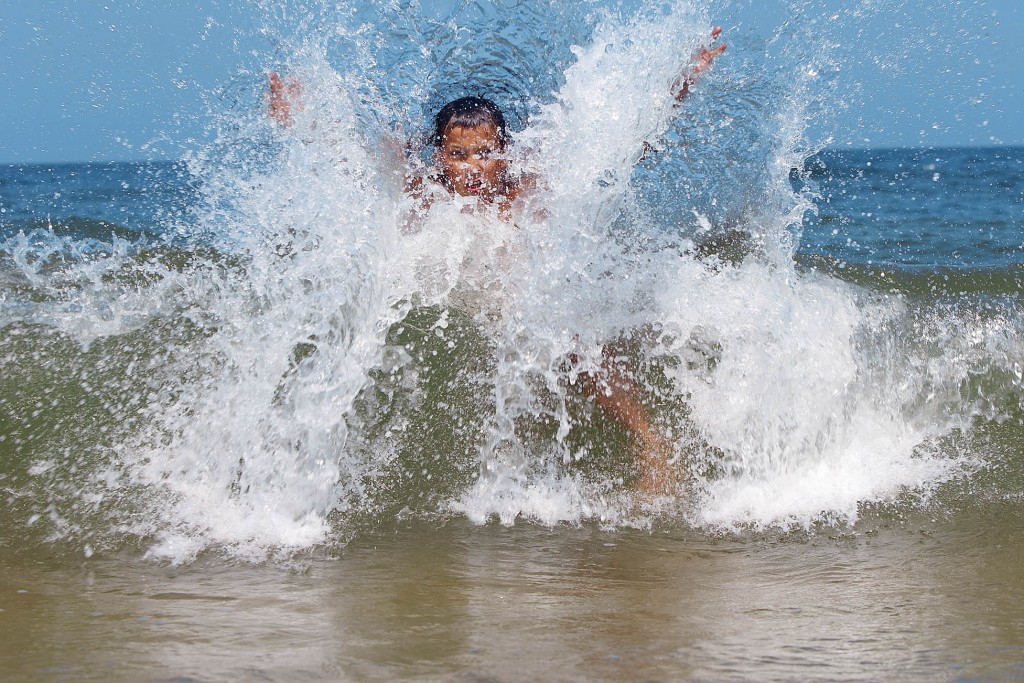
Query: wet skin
point(470, 162)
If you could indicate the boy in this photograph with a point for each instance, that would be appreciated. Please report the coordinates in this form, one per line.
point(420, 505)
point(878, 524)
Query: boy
point(469, 139)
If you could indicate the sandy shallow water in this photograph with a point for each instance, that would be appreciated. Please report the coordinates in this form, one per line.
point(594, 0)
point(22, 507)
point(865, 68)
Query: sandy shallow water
point(935, 600)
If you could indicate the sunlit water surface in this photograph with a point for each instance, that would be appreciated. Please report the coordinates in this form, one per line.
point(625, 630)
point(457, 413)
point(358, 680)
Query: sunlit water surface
point(925, 600)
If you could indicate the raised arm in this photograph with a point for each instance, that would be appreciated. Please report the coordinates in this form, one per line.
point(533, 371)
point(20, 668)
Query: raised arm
point(705, 58)
point(283, 96)
point(681, 87)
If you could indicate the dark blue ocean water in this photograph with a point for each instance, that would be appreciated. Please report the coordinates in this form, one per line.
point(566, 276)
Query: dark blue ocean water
point(919, 208)
point(140, 198)
point(911, 210)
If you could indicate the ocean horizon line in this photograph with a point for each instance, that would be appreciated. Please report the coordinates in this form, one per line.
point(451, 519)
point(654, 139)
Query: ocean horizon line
point(825, 150)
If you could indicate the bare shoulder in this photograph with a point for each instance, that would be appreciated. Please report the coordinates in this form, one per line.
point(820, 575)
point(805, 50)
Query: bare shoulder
point(422, 185)
point(526, 183)
point(414, 184)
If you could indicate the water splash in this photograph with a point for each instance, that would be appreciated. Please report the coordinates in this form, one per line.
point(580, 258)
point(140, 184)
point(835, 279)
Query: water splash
point(306, 353)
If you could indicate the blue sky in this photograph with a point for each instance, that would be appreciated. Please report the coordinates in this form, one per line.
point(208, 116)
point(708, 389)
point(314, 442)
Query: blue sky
point(135, 80)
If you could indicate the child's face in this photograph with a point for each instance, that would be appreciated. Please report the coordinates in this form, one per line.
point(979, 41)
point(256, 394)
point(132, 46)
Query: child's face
point(470, 161)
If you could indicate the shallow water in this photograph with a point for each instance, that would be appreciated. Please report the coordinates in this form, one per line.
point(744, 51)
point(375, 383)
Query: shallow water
point(935, 599)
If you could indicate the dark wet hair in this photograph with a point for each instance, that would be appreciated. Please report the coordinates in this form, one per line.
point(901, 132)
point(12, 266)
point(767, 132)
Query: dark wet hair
point(469, 112)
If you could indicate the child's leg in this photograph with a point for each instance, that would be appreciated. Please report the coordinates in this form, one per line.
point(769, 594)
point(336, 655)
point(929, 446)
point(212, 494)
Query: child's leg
point(618, 395)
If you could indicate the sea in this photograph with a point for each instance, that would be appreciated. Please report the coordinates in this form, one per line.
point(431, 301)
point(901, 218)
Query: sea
point(263, 417)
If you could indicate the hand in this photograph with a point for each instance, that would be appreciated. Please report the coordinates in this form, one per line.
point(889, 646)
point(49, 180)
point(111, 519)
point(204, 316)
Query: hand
point(704, 60)
point(706, 56)
point(282, 97)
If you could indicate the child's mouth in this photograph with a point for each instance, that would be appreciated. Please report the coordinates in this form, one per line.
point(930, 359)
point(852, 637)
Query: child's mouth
point(474, 186)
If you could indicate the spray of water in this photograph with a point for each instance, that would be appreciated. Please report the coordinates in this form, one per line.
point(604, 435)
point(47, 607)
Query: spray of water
point(311, 352)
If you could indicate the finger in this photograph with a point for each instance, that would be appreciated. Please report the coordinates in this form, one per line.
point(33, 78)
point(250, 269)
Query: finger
point(715, 32)
point(713, 52)
point(707, 56)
